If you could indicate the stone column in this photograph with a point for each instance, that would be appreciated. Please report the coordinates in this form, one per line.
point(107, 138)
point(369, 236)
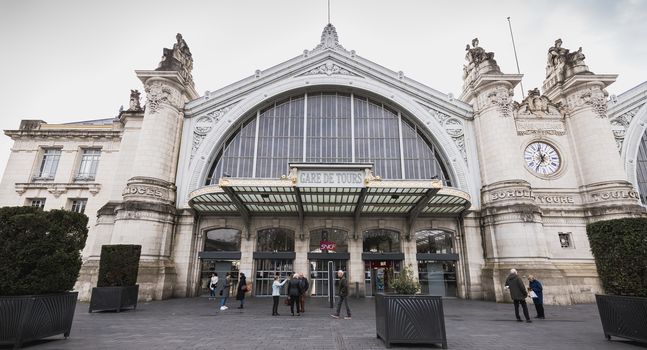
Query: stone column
point(147, 215)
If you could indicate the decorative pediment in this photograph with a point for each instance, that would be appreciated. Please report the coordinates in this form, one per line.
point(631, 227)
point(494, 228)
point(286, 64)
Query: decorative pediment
point(329, 68)
point(537, 114)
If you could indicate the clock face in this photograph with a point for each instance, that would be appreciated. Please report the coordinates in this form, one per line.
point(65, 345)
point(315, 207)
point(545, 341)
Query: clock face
point(542, 158)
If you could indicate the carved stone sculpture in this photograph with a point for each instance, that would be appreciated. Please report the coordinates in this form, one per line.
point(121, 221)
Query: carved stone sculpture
point(178, 59)
point(478, 62)
point(563, 64)
point(134, 101)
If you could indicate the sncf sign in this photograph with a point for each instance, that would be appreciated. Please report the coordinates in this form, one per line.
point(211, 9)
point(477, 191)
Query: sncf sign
point(326, 245)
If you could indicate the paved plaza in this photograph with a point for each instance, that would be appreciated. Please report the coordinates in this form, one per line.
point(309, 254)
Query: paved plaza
point(197, 323)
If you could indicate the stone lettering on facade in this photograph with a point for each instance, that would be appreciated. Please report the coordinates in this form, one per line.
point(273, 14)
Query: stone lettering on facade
point(511, 194)
point(145, 191)
point(555, 199)
point(613, 195)
point(540, 127)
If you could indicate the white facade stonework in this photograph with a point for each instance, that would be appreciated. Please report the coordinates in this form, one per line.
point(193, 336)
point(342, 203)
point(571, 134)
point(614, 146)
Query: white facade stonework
point(155, 163)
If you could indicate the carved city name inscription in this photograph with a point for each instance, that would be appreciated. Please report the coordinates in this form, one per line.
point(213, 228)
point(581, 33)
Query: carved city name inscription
point(539, 198)
point(555, 199)
point(145, 191)
point(609, 195)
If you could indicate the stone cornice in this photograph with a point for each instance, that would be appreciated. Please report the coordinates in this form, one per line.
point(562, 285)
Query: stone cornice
point(64, 133)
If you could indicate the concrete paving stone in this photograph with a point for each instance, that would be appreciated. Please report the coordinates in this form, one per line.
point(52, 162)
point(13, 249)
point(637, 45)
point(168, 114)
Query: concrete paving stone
point(197, 323)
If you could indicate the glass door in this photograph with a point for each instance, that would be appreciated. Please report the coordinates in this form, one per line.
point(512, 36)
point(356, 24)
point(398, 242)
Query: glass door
point(221, 267)
point(378, 273)
point(266, 269)
point(437, 277)
point(319, 275)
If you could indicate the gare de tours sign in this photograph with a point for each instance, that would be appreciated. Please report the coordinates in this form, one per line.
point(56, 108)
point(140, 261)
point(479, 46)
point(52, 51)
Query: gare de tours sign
point(331, 175)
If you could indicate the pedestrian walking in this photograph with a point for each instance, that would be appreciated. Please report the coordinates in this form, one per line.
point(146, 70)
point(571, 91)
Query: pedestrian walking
point(213, 284)
point(241, 290)
point(518, 293)
point(305, 285)
point(342, 295)
point(276, 294)
point(224, 292)
point(534, 286)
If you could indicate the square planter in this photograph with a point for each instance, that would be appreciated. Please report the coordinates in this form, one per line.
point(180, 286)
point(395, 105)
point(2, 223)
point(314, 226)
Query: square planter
point(624, 317)
point(412, 319)
point(32, 317)
point(113, 298)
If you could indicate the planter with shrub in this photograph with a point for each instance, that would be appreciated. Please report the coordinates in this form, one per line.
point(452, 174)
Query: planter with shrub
point(116, 288)
point(407, 317)
point(620, 251)
point(40, 259)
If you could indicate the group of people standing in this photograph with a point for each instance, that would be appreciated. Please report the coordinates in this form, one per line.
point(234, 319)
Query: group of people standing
point(298, 287)
point(519, 292)
point(297, 290)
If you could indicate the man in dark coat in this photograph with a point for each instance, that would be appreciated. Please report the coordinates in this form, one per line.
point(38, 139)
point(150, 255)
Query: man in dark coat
point(342, 295)
point(305, 285)
point(518, 293)
point(294, 291)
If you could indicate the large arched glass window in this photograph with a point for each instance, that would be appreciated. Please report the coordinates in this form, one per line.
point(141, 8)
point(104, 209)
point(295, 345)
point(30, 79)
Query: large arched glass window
point(222, 239)
point(381, 241)
point(338, 237)
point(641, 169)
point(275, 240)
point(434, 242)
point(328, 127)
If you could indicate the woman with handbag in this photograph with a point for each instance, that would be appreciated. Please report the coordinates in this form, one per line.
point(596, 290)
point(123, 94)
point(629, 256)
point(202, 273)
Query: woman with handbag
point(241, 290)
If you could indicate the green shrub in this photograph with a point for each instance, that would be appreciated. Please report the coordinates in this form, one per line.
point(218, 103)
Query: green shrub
point(620, 250)
point(404, 283)
point(40, 251)
point(119, 265)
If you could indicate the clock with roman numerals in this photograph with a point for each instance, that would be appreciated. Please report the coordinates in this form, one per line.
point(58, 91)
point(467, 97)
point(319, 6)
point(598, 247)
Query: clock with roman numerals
point(542, 159)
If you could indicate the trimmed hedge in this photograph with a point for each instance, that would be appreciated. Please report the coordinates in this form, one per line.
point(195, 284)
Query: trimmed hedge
point(620, 250)
point(119, 265)
point(40, 251)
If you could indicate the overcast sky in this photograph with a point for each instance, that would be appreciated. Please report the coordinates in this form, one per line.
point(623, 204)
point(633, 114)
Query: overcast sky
point(64, 60)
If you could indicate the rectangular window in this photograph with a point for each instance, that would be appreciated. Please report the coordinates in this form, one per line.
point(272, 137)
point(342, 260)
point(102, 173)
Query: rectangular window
point(78, 205)
point(48, 164)
point(565, 239)
point(89, 164)
point(37, 202)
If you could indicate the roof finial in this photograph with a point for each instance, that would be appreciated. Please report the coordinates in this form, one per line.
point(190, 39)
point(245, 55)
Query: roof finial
point(329, 39)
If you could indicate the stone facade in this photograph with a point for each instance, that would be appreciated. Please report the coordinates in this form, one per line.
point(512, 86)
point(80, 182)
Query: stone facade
point(528, 167)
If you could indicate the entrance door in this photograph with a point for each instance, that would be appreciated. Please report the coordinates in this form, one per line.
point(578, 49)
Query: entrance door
point(377, 274)
point(221, 267)
point(319, 275)
point(266, 269)
point(437, 277)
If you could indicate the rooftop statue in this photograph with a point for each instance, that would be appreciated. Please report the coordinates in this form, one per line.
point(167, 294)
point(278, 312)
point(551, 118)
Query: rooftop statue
point(563, 64)
point(478, 62)
point(134, 101)
point(178, 59)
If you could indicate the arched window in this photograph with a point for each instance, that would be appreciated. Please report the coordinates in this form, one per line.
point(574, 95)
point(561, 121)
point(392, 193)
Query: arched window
point(328, 127)
point(434, 242)
point(222, 239)
point(275, 240)
point(381, 241)
point(338, 237)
